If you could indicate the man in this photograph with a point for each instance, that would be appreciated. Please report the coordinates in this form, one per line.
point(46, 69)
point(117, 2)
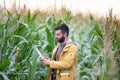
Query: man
point(64, 57)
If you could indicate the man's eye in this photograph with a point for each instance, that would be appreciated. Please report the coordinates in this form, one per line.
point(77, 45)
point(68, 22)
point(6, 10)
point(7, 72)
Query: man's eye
point(57, 34)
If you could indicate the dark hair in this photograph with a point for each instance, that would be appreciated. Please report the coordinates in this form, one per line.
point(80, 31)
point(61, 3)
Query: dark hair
point(64, 28)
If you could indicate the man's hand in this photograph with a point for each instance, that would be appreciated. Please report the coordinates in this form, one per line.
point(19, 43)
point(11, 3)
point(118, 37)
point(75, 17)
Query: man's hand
point(45, 56)
point(46, 62)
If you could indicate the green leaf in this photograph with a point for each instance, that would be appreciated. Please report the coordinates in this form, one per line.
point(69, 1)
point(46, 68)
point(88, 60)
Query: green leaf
point(33, 65)
point(9, 14)
point(4, 64)
point(21, 38)
point(50, 39)
point(34, 17)
point(24, 24)
point(4, 76)
point(28, 17)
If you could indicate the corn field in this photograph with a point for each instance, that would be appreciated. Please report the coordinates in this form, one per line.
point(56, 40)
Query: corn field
point(21, 32)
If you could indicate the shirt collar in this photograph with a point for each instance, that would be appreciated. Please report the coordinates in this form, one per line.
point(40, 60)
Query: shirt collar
point(68, 42)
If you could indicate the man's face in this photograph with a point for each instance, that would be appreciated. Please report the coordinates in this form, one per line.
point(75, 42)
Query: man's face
point(60, 36)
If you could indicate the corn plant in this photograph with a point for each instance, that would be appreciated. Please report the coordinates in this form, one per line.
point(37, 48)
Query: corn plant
point(21, 32)
point(19, 35)
point(98, 51)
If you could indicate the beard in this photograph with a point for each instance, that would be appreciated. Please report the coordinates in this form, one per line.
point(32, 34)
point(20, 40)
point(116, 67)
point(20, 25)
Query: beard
point(61, 39)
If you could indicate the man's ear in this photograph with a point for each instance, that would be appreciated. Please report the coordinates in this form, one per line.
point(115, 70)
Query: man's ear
point(65, 34)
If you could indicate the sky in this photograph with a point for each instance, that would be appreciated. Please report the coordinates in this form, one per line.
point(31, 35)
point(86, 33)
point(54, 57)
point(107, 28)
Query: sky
point(98, 7)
